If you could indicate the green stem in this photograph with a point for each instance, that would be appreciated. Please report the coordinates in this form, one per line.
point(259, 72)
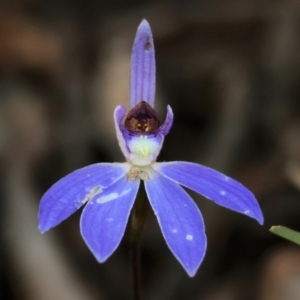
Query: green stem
point(286, 233)
point(138, 219)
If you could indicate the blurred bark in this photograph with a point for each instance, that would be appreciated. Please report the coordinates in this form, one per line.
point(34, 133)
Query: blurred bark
point(39, 268)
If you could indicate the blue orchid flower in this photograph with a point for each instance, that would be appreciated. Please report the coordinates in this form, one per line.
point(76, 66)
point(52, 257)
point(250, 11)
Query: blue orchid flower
point(109, 189)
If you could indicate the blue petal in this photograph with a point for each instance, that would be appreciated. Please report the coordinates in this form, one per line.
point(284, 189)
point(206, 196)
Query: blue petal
point(166, 126)
point(180, 221)
point(71, 192)
point(213, 185)
point(104, 218)
point(119, 114)
point(142, 80)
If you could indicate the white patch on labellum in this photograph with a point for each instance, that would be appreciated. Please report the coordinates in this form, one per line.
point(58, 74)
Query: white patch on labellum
point(247, 212)
point(109, 220)
point(174, 230)
point(223, 193)
point(189, 237)
point(90, 194)
point(226, 178)
point(143, 150)
point(107, 198)
point(111, 196)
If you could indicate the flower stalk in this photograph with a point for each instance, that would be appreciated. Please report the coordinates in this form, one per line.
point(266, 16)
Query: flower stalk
point(137, 223)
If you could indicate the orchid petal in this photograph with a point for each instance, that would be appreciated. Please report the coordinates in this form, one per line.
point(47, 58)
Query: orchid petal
point(213, 185)
point(180, 221)
point(71, 192)
point(119, 114)
point(104, 218)
point(142, 80)
point(166, 126)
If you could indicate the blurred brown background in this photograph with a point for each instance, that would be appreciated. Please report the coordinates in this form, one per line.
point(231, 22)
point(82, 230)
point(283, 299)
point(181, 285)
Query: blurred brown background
point(230, 69)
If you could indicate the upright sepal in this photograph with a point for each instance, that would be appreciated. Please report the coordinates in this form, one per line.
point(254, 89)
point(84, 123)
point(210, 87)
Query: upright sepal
point(142, 80)
point(213, 185)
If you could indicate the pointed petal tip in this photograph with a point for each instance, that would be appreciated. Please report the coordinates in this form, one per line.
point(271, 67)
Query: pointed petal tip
point(119, 114)
point(144, 25)
point(144, 33)
point(255, 213)
point(101, 259)
point(43, 229)
point(260, 219)
point(192, 272)
point(170, 113)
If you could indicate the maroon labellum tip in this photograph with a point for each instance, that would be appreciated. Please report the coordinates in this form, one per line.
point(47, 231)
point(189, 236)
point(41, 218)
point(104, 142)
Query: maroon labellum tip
point(142, 118)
